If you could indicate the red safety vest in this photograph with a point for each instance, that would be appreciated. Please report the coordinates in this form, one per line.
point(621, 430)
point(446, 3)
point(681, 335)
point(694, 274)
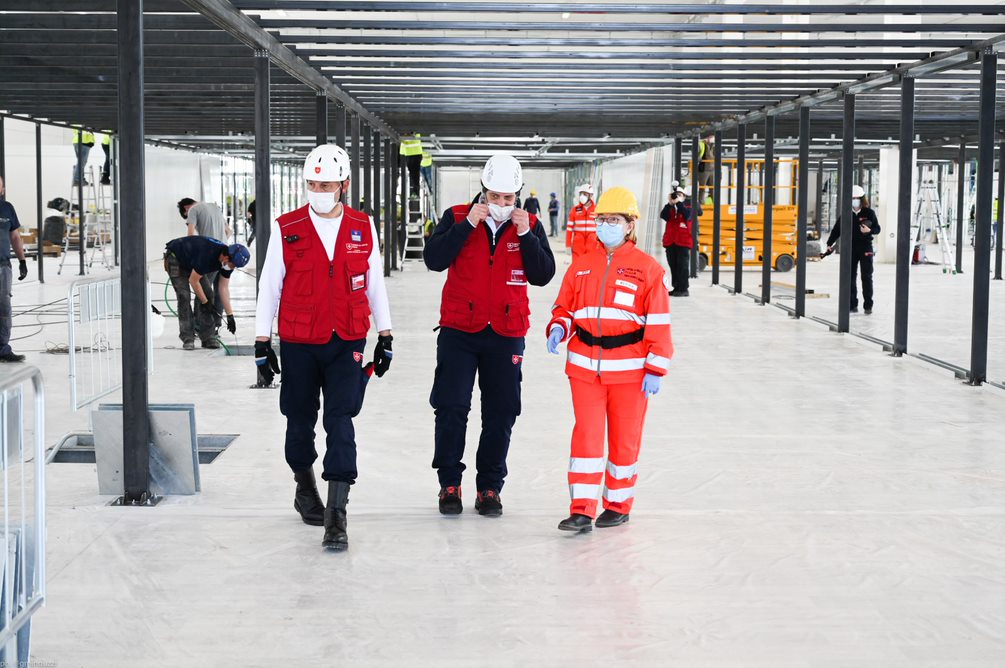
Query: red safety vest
point(484, 289)
point(321, 295)
point(678, 229)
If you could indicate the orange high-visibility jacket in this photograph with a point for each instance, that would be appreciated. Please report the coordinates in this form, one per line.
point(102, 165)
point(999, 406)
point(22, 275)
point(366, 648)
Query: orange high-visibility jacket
point(583, 227)
point(615, 295)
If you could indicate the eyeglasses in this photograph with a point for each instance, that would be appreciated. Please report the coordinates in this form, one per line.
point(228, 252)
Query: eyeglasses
point(610, 220)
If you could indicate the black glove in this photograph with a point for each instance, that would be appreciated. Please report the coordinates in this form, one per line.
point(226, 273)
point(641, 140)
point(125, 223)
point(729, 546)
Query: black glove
point(382, 355)
point(232, 327)
point(267, 362)
point(22, 269)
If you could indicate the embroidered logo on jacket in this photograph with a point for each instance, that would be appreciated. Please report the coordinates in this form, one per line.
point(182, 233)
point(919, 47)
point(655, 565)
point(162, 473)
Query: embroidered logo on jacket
point(356, 236)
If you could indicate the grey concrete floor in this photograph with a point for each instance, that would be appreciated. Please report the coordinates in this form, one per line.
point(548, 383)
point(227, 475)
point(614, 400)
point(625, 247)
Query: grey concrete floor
point(804, 499)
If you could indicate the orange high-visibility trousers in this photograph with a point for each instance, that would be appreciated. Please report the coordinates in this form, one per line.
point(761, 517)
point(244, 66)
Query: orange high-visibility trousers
point(621, 408)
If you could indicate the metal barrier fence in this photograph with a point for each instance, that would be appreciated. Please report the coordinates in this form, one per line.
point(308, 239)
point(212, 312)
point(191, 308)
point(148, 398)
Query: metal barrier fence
point(94, 321)
point(22, 553)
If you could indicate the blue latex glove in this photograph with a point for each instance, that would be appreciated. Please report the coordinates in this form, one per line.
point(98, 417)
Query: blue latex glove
point(555, 338)
point(651, 384)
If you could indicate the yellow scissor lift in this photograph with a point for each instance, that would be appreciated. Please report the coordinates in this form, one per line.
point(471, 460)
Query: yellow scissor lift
point(783, 236)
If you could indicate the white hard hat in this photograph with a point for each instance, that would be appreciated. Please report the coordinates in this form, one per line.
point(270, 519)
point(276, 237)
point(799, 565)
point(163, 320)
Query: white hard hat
point(327, 162)
point(586, 188)
point(857, 191)
point(502, 174)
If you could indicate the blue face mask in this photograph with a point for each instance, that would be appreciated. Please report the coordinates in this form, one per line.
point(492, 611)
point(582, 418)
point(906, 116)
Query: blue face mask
point(611, 236)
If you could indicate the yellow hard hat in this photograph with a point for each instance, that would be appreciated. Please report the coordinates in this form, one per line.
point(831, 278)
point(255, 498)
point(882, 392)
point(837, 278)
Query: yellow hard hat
point(533, 193)
point(618, 200)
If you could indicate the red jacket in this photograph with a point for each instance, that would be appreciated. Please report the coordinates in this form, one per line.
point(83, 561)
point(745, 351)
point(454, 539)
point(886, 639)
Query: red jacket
point(485, 288)
point(679, 226)
point(321, 295)
point(621, 295)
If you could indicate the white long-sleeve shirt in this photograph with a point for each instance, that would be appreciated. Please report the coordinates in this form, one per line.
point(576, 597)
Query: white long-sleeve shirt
point(270, 284)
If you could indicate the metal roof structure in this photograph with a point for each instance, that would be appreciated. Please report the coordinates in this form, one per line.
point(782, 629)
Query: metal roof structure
point(559, 82)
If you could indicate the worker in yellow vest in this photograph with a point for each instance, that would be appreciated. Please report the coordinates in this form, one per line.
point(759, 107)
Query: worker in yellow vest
point(106, 169)
point(82, 143)
point(426, 167)
point(412, 150)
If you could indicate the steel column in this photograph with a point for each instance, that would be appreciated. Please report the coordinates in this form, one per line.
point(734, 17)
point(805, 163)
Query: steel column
point(38, 200)
point(388, 204)
point(678, 146)
point(401, 215)
point(961, 184)
point(982, 239)
point(81, 243)
point(695, 203)
point(321, 124)
point(135, 397)
point(1000, 211)
point(714, 253)
point(741, 198)
point(802, 205)
point(375, 177)
point(340, 126)
point(116, 207)
point(904, 241)
point(820, 199)
point(263, 159)
point(3, 154)
point(768, 200)
point(367, 199)
point(356, 186)
point(845, 245)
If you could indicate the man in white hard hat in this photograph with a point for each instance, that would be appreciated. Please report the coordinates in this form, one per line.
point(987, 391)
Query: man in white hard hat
point(581, 233)
point(864, 226)
point(491, 250)
point(323, 273)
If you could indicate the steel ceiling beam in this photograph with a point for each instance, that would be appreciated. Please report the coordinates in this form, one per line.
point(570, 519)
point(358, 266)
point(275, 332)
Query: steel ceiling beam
point(405, 50)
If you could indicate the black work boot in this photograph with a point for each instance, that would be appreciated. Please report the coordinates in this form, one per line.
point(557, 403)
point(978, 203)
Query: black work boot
point(336, 537)
point(488, 503)
point(575, 522)
point(609, 518)
point(450, 501)
point(307, 501)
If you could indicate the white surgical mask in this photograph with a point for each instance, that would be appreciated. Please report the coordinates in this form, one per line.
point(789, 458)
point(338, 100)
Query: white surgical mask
point(322, 202)
point(500, 213)
point(583, 199)
point(856, 203)
point(611, 236)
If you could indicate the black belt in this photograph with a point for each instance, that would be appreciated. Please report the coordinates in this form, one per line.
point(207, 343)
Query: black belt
point(609, 342)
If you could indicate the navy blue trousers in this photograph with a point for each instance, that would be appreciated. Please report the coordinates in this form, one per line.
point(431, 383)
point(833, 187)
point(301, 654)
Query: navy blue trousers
point(497, 360)
point(308, 371)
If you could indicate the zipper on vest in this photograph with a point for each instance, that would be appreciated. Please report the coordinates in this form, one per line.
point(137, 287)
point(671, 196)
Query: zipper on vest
point(600, 305)
point(331, 270)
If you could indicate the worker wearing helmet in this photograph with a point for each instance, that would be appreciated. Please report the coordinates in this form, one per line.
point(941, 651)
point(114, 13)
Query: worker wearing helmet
point(189, 261)
point(865, 225)
point(581, 233)
point(614, 311)
point(324, 275)
point(491, 251)
point(532, 204)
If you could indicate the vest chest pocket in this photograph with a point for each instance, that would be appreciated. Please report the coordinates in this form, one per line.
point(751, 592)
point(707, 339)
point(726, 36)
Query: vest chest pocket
point(356, 277)
point(624, 294)
point(300, 278)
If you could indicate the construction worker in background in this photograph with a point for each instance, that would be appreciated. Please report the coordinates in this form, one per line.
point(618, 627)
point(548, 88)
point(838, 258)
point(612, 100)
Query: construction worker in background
point(491, 250)
point(412, 150)
point(678, 239)
point(106, 169)
point(581, 234)
point(614, 311)
point(426, 167)
point(531, 205)
point(323, 274)
point(82, 142)
point(188, 261)
point(206, 220)
point(10, 240)
point(865, 225)
point(553, 207)
point(706, 167)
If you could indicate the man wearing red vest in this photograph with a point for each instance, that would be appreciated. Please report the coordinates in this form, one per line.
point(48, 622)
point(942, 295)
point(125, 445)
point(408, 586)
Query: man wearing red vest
point(324, 275)
point(581, 223)
point(492, 251)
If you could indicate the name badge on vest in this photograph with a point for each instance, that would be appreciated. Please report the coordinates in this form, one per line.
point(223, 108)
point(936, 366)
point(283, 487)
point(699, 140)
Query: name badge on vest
point(516, 277)
point(357, 282)
point(356, 235)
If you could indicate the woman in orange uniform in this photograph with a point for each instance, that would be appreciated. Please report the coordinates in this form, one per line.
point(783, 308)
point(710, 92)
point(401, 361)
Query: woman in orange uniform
point(614, 311)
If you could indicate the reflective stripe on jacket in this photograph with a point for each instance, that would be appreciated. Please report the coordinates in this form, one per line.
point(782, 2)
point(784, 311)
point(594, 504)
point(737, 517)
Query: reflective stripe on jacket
point(614, 295)
point(321, 295)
